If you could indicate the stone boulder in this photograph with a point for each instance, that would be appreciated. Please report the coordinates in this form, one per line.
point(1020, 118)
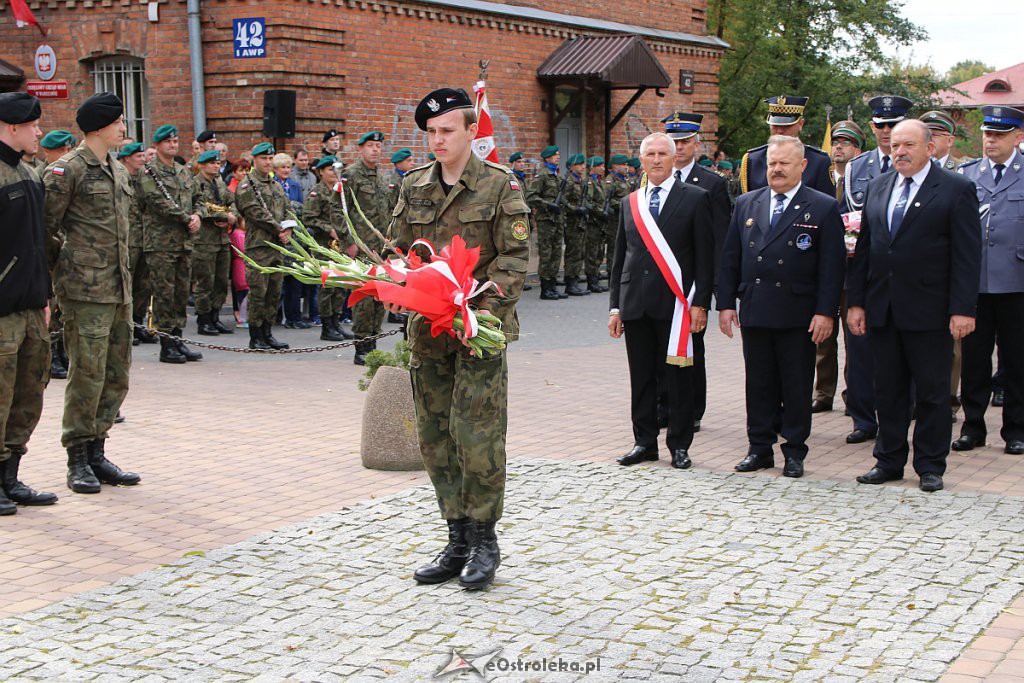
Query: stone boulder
point(389, 440)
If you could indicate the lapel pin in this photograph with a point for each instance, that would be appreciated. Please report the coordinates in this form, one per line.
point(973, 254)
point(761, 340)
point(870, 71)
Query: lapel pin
point(1016, 167)
point(870, 161)
point(797, 207)
point(917, 203)
point(807, 216)
point(695, 179)
point(750, 221)
point(983, 167)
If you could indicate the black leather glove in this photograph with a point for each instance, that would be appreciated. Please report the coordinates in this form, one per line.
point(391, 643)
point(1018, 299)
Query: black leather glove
point(554, 208)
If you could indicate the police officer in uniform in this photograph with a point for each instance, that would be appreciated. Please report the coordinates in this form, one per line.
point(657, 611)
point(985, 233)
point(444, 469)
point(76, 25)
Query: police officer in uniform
point(577, 205)
point(999, 180)
point(211, 256)
point(786, 117)
point(88, 199)
point(546, 198)
point(24, 288)
point(461, 399)
point(886, 112)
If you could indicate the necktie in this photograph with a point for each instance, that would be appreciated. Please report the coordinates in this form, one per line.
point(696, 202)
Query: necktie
point(900, 209)
point(999, 172)
point(885, 163)
point(679, 175)
point(655, 202)
point(777, 211)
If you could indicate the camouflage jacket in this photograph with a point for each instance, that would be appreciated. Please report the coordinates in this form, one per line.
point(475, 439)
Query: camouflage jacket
point(214, 230)
point(487, 212)
point(322, 213)
point(543, 190)
point(573, 198)
point(135, 213)
point(87, 207)
point(261, 201)
point(394, 184)
point(370, 189)
point(170, 196)
point(619, 188)
point(597, 196)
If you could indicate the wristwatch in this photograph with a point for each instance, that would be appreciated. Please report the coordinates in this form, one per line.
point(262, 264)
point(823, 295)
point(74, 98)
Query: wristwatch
point(612, 312)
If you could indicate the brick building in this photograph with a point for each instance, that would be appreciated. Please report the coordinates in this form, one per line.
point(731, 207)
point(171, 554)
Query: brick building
point(360, 65)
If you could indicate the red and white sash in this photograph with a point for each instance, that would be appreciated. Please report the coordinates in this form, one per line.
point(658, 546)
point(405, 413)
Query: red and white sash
point(680, 345)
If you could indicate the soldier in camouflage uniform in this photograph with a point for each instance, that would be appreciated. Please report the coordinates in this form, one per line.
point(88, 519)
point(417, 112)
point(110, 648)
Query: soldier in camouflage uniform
point(617, 186)
point(54, 145)
point(402, 159)
point(211, 252)
point(88, 199)
point(597, 226)
point(323, 216)
point(577, 206)
point(24, 287)
point(261, 201)
point(132, 157)
point(366, 186)
point(461, 399)
point(545, 197)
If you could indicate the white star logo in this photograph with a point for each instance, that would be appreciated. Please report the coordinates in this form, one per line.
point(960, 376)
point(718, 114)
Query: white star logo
point(471, 663)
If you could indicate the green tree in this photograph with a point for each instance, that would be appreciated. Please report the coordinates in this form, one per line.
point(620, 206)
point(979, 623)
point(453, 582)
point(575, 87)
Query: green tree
point(967, 69)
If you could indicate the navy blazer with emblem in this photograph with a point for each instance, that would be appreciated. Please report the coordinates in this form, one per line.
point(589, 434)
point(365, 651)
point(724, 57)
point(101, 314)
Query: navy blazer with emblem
point(1002, 249)
point(786, 276)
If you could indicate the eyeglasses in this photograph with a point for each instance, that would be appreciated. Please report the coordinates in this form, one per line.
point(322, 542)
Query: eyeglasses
point(842, 142)
point(887, 124)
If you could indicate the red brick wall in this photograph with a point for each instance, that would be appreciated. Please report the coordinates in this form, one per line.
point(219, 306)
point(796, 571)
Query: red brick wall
point(356, 66)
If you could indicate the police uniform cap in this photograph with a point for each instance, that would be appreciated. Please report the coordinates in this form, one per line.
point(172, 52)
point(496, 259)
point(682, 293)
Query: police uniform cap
point(725, 164)
point(939, 121)
point(163, 132)
point(19, 107)
point(549, 151)
point(373, 136)
point(208, 155)
point(440, 101)
point(785, 110)
point(332, 133)
point(595, 161)
point(680, 125)
point(514, 157)
point(999, 119)
point(56, 139)
point(325, 161)
point(206, 136)
point(99, 111)
point(262, 148)
point(401, 155)
point(576, 159)
point(850, 130)
point(889, 108)
point(129, 149)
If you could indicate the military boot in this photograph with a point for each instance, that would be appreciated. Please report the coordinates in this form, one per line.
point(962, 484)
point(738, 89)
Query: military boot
point(220, 327)
point(169, 352)
point(188, 353)
point(205, 325)
point(256, 340)
point(7, 506)
point(106, 471)
point(449, 561)
point(329, 329)
point(17, 491)
point(268, 337)
point(345, 332)
point(362, 348)
point(57, 369)
point(594, 285)
point(572, 287)
point(81, 478)
point(484, 556)
point(548, 291)
point(141, 334)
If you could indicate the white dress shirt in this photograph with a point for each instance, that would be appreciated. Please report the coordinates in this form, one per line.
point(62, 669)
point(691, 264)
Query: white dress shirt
point(897, 190)
point(785, 202)
point(1007, 164)
point(684, 172)
point(666, 187)
point(881, 157)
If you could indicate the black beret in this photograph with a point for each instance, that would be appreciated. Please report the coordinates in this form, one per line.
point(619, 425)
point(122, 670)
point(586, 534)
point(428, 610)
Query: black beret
point(206, 135)
point(99, 111)
point(440, 102)
point(19, 107)
point(330, 134)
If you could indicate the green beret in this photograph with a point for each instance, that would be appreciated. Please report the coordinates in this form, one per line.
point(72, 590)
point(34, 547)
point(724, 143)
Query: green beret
point(325, 161)
point(549, 151)
point(430, 155)
point(707, 163)
point(130, 149)
point(595, 161)
point(725, 163)
point(208, 155)
point(375, 136)
point(56, 139)
point(634, 162)
point(262, 148)
point(514, 157)
point(401, 155)
point(576, 159)
point(163, 132)
point(619, 159)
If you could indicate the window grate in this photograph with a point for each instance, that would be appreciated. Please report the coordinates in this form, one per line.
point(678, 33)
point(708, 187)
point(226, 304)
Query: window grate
point(126, 78)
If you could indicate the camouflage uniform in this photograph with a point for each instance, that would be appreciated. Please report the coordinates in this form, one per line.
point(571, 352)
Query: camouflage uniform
point(597, 227)
point(461, 400)
point(87, 208)
point(211, 252)
point(166, 239)
point(365, 185)
point(619, 188)
point(542, 193)
point(394, 182)
point(263, 214)
point(141, 292)
point(575, 224)
point(322, 213)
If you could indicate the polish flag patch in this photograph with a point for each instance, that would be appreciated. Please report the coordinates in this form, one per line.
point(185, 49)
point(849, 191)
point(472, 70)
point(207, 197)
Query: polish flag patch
point(57, 170)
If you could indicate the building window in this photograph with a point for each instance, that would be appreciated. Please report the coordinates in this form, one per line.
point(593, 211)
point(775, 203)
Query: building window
point(126, 78)
point(997, 86)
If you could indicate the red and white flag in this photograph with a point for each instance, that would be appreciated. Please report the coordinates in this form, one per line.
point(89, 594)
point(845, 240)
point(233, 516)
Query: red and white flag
point(483, 143)
point(23, 15)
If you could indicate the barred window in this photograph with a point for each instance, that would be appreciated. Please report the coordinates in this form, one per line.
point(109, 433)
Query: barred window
point(126, 78)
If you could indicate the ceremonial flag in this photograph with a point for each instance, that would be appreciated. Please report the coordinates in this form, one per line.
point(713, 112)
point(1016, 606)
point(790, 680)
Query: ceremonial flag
point(826, 144)
point(483, 143)
point(23, 15)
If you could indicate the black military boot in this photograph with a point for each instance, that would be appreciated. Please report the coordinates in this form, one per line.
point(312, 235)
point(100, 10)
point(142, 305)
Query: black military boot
point(141, 334)
point(81, 478)
point(448, 564)
point(221, 327)
point(106, 471)
point(548, 291)
point(17, 491)
point(256, 340)
point(57, 368)
point(268, 337)
point(7, 506)
point(188, 353)
point(572, 287)
point(345, 332)
point(169, 352)
point(329, 330)
point(484, 556)
point(362, 348)
point(594, 285)
point(206, 325)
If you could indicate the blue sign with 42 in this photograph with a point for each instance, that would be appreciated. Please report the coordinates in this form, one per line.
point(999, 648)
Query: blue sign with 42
point(250, 37)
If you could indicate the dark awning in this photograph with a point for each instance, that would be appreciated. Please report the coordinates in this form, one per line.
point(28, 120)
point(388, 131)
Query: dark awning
point(618, 61)
point(11, 77)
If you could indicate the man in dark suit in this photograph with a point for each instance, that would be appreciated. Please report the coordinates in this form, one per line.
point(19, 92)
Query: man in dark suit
point(784, 259)
point(663, 254)
point(914, 282)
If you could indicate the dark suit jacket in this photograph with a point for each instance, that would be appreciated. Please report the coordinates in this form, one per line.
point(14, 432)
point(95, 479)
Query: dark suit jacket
point(931, 268)
point(721, 207)
point(637, 287)
point(817, 175)
point(784, 278)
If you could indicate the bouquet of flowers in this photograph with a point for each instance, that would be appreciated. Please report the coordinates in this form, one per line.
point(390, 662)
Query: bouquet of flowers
point(851, 227)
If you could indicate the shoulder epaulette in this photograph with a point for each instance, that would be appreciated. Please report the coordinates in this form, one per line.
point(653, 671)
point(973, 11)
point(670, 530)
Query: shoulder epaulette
point(967, 164)
point(757, 149)
point(816, 150)
point(504, 169)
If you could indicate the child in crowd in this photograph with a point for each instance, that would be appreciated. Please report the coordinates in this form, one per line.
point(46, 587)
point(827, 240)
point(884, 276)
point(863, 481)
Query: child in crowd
point(239, 287)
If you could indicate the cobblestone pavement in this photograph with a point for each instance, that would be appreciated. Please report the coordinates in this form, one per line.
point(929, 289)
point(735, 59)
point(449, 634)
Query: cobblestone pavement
point(705, 576)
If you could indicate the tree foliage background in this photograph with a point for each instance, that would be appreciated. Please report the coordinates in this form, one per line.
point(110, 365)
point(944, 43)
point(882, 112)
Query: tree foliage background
point(828, 50)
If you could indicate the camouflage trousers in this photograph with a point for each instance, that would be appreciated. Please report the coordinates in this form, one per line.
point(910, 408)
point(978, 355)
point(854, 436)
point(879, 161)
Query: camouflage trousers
point(141, 292)
point(98, 340)
point(264, 290)
point(211, 264)
point(461, 418)
point(575, 243)
point(549, 248)
point(367, 318)
point(24, 374)
point(169, 278)
point(596, 246)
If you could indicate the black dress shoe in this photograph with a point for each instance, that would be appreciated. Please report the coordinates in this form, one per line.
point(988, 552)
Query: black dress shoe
point(638, 454)
point(860, 436)
point(794, 468)
point(681, 459)
point(696, 426)
point(754, 462)
point(930, 483)
point(877, 476)
point(822, 406)
point(966, 442)
point(1014, 447)
point(998, 398)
